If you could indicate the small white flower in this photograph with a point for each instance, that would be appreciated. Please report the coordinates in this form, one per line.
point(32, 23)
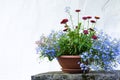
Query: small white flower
point(78, 63)
point(82, 68)
point(82, 56)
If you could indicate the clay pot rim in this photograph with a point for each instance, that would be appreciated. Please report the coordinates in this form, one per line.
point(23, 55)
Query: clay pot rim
point(69, 56)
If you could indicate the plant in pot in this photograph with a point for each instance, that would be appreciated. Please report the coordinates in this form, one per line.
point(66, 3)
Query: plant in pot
point(79, 48)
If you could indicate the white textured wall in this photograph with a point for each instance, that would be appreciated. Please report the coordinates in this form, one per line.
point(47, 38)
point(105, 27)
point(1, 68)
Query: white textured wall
point(23, 21)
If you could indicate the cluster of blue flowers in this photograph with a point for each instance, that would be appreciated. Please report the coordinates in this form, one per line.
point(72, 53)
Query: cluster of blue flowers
point(104, 53)
point(84, 67)
point(47, 46)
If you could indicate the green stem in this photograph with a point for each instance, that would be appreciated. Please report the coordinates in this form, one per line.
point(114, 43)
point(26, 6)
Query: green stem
point(83, 27)
point(95, 23)
point(88, 24)
point(78, 17)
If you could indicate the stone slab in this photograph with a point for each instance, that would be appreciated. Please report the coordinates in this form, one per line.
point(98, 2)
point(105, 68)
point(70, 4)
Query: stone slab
point(92, 75)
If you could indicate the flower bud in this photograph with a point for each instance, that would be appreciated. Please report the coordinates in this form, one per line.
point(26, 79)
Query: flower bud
point(97, 17)
point(77, 10)
point(64, 21)
point(89, 17)
point(84, 18)
point(93, 21)
point(85, 31)
point(65, 29)
point(94, 37)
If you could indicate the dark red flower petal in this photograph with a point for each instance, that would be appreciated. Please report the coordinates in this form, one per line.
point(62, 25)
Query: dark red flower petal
point(64, 21)
point(97, 17)
point(94, 37)
point(84, 18)
point(93, 21)
point(76, 27)
point(89, 17)
point(77, 10)
point(85, 31)
point(65, 29)
point(91, 29)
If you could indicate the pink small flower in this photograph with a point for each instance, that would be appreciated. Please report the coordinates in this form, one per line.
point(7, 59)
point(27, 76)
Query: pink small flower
point(85, 31)
point(94, 37)
point(93, 21)
point(77, 10)
point(64, 21)
point(84, 18)
point(89, 17)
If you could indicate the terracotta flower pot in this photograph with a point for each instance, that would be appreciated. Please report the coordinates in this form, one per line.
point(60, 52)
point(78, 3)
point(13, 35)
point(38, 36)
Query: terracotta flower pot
point(70, 64)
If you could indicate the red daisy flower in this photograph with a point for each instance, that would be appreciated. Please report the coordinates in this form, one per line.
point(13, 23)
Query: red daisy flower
point(84, 18)
point(94, 37)
point(77, 10)
point(64, 21)
point(89, 17)
point(93, 21)
point(85, 31)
